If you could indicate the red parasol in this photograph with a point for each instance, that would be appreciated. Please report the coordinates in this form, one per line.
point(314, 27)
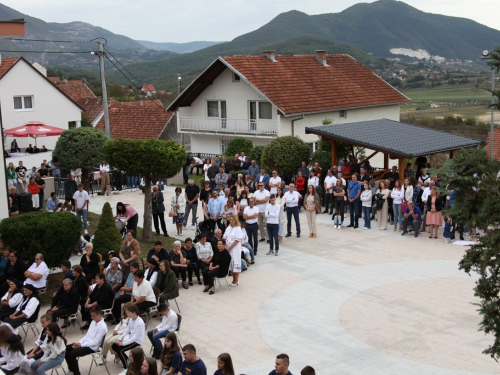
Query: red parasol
point(33, 129)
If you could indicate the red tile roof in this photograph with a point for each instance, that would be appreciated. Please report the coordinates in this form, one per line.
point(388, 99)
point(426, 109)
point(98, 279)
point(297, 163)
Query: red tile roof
point(496, 144)
point(54, 79)
point(148, 87)
point(91, 106)
point(298, 84)
point(76, 90)
point(136, 122)
point(6, 64)
point(301, 84)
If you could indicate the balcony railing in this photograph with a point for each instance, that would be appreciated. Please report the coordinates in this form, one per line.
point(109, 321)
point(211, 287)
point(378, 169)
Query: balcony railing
point(215, 125)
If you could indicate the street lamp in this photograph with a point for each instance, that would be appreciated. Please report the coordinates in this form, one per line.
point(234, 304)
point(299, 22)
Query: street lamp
point(487, 56)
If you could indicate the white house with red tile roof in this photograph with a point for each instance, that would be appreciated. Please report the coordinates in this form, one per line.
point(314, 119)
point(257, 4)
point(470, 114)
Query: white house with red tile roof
point(266, 96)
point(27, 95)
point(148, 89)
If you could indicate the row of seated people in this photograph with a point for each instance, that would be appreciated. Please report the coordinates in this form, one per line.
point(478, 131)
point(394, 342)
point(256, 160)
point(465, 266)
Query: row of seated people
point(51, 348)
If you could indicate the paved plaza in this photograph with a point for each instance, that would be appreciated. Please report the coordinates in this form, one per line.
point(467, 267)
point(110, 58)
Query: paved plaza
point(347, 302)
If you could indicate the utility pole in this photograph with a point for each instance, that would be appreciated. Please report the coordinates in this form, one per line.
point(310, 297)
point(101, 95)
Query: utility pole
point(102, 54)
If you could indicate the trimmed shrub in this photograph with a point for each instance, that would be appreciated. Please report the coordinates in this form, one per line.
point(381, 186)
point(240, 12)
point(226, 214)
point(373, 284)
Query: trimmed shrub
point(236, 145)
point(55, 235)
point(256, 154)
point(236, 173)
point(107, 236)
point(285, 155)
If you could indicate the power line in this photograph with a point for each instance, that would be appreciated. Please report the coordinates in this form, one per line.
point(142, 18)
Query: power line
point(133, 84)
point(49, 41)
point(88, 52)
point(124, 67)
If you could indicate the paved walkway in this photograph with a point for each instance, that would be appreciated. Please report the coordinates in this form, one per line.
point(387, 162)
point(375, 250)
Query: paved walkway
point(347, 302)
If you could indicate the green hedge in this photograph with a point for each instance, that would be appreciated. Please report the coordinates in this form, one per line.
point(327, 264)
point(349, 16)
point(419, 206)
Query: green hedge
point(55, 235)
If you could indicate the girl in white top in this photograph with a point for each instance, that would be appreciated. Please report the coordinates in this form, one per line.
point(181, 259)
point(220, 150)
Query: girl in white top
point(366, 204)
point(114, 336)
point(207, 165)
point(408, 190)
point(178, 204)
point(272, 214)
point(14, 355)
point(313, 180)
point(135, 331)
point(397, 196)
point(54, 352)
point(233, 236)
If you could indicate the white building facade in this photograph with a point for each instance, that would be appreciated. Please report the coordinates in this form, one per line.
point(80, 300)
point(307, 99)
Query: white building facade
point(27, 95)
point(238, 103)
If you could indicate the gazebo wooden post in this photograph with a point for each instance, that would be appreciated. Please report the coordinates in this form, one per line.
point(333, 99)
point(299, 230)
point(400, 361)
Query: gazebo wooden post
point(386, 161)
point(334, 152)
point(452, 154)
point(401, 167)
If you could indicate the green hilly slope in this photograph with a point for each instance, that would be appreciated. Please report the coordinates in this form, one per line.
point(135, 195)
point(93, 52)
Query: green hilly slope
point(163, 73)
point(379, 26)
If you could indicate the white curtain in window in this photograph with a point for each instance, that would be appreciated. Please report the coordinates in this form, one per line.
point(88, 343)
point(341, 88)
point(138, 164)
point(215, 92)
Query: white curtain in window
point(265, 110)
point(213, 109)
point(28, 102)
point(18, 102)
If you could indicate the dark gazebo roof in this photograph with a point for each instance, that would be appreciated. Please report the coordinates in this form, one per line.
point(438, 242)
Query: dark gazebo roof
point(394, 137)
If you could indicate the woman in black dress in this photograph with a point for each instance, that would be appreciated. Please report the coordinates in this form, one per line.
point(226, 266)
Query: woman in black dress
point(90, 263)
point(218, 267)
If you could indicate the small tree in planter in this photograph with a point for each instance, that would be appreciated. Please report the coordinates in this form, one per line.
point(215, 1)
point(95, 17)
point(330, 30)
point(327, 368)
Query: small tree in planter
point(55, 235)
point(107, 236)
point(256, 154)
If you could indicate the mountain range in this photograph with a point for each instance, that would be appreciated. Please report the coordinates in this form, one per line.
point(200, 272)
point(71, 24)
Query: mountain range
point(75, 55)
point(367, 31)
point(177, 47)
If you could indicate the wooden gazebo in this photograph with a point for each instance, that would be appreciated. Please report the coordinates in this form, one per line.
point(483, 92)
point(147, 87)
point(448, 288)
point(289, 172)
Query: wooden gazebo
point(396, 140)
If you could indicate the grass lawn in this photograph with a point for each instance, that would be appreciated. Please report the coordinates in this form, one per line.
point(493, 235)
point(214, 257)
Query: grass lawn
point(448, 93)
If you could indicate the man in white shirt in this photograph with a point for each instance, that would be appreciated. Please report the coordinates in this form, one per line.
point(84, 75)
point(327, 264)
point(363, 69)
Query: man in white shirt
point(329, 184)
point(261, 198)
point(250, 214)
point(81, 198)
point(37, 274)
point(274, 183)
point(142, 292)
point(292, 208)
point(273, 226)
point(169, 323)
point(89, 343)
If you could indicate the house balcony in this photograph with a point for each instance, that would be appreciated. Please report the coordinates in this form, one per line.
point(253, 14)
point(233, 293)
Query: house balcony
point(215, 125)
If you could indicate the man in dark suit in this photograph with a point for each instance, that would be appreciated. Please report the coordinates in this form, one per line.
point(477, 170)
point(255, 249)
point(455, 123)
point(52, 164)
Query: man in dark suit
point(263, 177)
point(363, 176)
point(158, 210)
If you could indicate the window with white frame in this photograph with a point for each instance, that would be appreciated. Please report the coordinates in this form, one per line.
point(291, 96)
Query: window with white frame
point(343, 113)
point(223, 146)
point(217, 108)
point(23, 103)
point(259, 111)
point(236, 77)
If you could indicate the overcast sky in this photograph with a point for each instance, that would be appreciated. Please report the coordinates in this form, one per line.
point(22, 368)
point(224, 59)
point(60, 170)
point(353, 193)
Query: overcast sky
point(216, 20)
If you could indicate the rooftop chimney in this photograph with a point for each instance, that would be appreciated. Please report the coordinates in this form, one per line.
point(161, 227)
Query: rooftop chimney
point(321, 57)
point(270, 55)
